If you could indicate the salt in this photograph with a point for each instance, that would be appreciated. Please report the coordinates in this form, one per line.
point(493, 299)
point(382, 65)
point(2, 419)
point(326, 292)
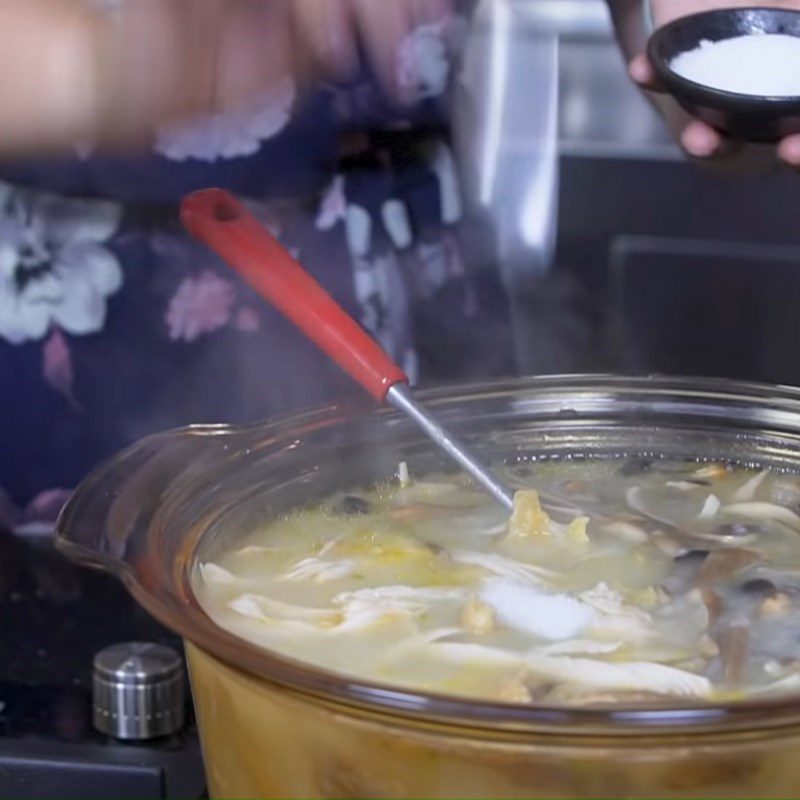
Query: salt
point(761, 64)
point(550, 616)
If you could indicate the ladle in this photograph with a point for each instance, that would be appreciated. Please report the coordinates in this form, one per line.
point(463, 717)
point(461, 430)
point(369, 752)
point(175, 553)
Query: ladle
point(221, 222)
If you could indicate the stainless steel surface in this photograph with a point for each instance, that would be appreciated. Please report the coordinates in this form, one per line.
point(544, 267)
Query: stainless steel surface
point(505, 126)
point(138, 691)
point(601, 112)
point(586, 19)
point(619, 175)
point(540, 80)
point(543, 89)
point(401, 398)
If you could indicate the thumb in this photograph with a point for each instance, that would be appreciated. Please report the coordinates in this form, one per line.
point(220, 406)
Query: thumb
point(642, 73)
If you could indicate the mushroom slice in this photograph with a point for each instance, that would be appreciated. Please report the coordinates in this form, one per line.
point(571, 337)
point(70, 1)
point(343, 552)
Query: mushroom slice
point(734, 645)
point(684, 570)
point(666, 505)
point(711, 505)
point(764, 512)
point(785, 492)
point(699, 520)
point(747, 491)
point(626, 531)
point(722, 564)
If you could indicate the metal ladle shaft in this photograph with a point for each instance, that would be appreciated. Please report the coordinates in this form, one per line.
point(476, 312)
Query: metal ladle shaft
point(400, 396)
point(222, 223)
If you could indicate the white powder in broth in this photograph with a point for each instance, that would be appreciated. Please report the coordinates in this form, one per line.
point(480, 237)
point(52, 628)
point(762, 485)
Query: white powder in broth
point(765, 64)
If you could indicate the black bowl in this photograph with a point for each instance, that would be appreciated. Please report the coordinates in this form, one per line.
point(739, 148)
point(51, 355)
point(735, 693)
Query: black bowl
point(741, 116)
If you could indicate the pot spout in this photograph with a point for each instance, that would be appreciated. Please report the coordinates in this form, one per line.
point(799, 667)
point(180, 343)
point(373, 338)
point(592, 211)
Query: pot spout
point(108, 523)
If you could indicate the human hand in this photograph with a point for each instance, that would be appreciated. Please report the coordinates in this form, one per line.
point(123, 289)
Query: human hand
point(697, 138)
point(111, 70)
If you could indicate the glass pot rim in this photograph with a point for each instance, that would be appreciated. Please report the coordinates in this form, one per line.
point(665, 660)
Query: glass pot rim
point(746, 406)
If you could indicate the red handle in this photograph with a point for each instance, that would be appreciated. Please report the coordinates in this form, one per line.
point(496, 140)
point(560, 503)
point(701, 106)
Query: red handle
point(220, 221)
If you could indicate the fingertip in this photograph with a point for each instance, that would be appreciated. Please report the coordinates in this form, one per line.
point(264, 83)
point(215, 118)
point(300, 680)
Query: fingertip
point(328, 33)
point(641, 72)
point(789, 150)
point(430, 11)
point(383, 27)
point(700, 141)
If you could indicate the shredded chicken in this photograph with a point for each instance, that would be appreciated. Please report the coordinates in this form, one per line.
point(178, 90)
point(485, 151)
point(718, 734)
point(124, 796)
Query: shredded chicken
point(613, 618)
point(267, 609)
point(764, 512)
point(515, 691)
point(578, 647)
point(354, 610)
point(367, 607)
point(504, 567)
point(320, 570)
point(624, 677)
point(214, 574)
point(469, 653)
point(477, 617)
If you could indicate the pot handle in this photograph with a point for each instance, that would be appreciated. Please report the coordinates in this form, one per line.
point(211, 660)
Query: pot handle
point(108, 522)
point(222, 223)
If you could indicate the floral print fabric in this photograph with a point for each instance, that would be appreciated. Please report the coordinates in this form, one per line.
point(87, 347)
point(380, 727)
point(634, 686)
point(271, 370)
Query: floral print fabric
point(54, 267)
point(113, 324)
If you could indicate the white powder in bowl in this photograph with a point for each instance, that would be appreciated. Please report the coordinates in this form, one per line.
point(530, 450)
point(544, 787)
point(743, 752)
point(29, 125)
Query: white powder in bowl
point(762, 64)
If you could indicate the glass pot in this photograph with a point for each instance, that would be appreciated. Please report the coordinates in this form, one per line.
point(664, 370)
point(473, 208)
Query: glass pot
point(274, 727)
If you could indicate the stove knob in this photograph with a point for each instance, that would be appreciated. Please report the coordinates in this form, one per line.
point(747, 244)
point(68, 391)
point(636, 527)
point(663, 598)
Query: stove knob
point(138, 691)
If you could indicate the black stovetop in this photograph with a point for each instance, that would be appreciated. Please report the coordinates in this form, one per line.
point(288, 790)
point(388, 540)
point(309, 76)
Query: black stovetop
point(55, 617)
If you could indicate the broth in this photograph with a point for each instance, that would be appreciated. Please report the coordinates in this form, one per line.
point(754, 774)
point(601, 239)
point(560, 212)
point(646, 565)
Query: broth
point(614, 582)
